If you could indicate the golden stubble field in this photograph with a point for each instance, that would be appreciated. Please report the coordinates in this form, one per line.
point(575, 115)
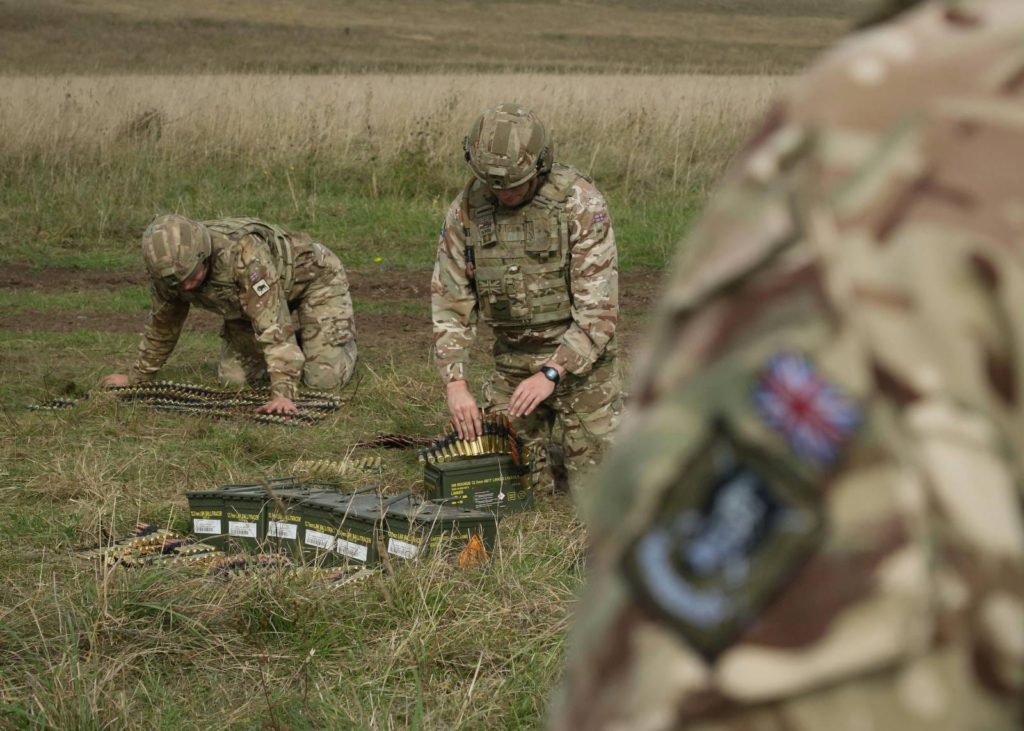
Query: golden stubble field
point(674, 125)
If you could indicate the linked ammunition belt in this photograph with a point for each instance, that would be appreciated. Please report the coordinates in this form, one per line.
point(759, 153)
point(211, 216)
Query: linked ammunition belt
point(499, 437)
point(150, 546)
point(187, 398)
point(336, 467)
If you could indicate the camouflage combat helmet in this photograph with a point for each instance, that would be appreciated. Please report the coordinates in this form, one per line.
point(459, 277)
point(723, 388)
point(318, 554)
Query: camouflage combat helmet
point(508, 146)
point(173, 247)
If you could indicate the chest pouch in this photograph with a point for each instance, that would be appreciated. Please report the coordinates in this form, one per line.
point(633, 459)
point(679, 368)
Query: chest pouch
point(545, 237)
point(504, 297)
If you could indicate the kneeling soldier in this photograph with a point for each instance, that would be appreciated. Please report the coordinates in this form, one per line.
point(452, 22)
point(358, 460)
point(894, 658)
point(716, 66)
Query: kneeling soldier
point(267, 284)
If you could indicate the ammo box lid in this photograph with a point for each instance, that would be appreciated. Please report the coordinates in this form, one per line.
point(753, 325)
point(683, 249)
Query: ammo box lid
point(413, 509)
point(364, 506)
point(471, 465)
point(204, 495)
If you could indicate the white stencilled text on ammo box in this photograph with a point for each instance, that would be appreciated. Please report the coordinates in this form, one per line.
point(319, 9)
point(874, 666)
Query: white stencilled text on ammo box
point(318, 539)
point(241, 529)
point(352, 550)
point(281, 529)
point(206, 526)
point(402, 549)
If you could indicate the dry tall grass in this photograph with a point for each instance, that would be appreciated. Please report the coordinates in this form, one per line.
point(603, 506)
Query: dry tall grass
point(675, 126)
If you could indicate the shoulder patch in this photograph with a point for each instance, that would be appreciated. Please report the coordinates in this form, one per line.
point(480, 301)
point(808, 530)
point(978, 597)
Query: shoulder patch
point(732, 530)
point(261, 287)
point(814, 416)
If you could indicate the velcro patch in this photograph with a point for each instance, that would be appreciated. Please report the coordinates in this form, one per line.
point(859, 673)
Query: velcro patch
point(733, 529)
point(261, 288)
point(813, 415)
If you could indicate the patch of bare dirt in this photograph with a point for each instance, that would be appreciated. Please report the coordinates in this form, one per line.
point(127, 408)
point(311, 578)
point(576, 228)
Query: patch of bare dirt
point(23, 276)
point(639, 291)
point(638, 288)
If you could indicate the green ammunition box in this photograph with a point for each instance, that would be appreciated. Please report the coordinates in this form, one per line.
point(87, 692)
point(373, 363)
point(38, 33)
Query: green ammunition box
point(245, 520)
point(341, 528)
point(232, 517)
point(494, 483)
point(206, 513)
point(414, 527)
point(286, 518)
point(247, 517)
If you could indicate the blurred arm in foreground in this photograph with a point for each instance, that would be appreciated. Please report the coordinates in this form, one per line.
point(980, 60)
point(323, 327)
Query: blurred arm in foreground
point(815, 519)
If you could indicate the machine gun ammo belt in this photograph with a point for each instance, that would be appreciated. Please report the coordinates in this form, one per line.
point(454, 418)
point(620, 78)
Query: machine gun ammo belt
point(187, 398)
point(498, 437)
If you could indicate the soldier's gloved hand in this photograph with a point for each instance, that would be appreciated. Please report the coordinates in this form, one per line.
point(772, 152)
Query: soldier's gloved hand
point(278, 405)
point(465, 413)
point(529, 393)
point(115, 379)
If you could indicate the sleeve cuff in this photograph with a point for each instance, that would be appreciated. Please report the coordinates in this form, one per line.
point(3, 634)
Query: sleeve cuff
point(136, 376)
point(452, 372)
point(285, 388)
point(572, 361)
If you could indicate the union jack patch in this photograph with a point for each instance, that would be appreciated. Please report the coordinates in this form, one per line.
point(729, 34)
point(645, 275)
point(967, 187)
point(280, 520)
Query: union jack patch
point(815, 417)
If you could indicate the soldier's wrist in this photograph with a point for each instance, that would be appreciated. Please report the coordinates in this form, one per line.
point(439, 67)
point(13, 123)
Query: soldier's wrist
point(457, 384)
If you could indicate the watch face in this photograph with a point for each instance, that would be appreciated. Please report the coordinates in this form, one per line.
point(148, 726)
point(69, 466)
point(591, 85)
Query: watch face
point(550, 373)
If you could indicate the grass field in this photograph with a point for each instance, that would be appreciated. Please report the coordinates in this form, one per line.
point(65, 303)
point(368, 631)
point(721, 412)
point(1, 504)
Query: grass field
point(112, 111)
point(323, 36)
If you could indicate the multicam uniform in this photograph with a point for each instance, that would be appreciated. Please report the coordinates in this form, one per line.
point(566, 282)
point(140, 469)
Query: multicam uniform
point(815, 520)
point(545, 278)
point(267, 284)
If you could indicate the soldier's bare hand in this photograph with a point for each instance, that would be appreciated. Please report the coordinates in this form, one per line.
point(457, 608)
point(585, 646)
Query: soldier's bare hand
point(278, 405)
point(465, 413)
point(115, 379)
point(529, 393)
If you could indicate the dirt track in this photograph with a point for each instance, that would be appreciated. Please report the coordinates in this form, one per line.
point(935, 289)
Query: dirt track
point(639, 289)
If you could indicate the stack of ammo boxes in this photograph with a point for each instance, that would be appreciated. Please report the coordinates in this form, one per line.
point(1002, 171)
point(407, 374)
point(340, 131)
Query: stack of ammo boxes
point(316, 524)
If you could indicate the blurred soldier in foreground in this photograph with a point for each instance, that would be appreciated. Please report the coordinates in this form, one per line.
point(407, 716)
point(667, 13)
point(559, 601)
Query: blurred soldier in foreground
point(529, 246)
point(815, 519)
point(267, 284)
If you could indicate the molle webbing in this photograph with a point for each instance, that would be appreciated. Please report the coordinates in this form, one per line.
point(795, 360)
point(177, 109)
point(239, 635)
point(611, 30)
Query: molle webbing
point(277, 239)
point(521, 258)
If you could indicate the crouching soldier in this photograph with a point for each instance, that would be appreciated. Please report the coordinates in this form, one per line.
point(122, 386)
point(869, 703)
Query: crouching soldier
point(268, 285)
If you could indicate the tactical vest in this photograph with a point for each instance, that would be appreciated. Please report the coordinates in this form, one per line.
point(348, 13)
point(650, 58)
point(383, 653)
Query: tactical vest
point(520, 258)
point(277, 239)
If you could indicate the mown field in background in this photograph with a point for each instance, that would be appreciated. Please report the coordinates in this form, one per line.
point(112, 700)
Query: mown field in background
point(112, 111)
point(325, 36)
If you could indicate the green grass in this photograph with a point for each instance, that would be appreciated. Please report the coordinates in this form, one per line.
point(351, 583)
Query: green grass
point(88, 218)
point(129, 300)
point(427, 647)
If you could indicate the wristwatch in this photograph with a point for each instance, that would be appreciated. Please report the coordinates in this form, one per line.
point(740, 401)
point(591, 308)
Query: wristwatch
point(551, 374)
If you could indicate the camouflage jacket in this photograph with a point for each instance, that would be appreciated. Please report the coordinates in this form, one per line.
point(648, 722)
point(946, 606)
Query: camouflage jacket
point(591, 276)
point(244, 283)
point(815, 512)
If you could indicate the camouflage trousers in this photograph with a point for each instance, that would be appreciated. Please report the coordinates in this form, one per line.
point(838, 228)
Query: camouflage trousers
point(321, 310)
point(586, 409)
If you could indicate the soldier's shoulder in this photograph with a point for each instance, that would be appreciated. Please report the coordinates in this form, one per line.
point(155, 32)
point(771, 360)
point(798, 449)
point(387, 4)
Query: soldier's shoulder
point(581, 191)
point(880, 72)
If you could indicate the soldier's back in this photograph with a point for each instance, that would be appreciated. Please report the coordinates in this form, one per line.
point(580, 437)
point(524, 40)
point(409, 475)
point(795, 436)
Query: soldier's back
point(815, 519)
